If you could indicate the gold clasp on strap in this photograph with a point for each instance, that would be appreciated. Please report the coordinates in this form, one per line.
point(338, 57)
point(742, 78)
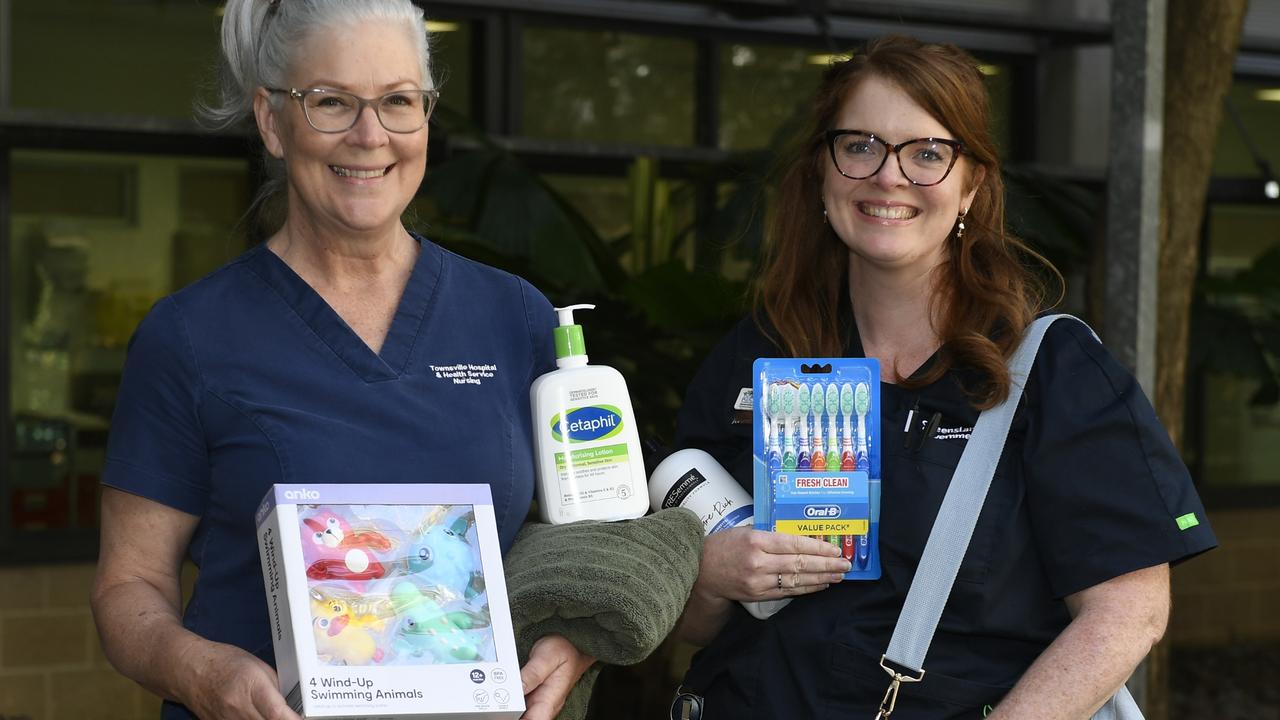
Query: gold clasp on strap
point(891, 695)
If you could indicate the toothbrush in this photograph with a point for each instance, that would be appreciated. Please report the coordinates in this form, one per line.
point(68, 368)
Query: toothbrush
point(833, 404)
point(802, 406)
point(788, 442)
point(847, 463)
point(862, 404)
point(770, 405)
point(819, 459)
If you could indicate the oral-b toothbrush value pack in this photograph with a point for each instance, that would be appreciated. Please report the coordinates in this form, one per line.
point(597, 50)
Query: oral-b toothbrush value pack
point(817, 453)
point(389, 601)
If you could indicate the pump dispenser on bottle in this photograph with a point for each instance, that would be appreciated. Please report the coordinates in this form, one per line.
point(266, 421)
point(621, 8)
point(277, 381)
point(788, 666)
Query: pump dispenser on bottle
point(587, 448)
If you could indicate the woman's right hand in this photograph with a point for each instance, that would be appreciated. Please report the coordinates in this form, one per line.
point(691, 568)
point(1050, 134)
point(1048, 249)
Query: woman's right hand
point(227, 682)
point(747, 564)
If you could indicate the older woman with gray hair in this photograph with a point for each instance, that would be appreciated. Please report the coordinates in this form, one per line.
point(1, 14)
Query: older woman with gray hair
point(309, 359)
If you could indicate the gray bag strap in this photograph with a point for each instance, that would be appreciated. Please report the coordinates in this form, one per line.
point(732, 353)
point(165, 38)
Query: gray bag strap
point(952, 529)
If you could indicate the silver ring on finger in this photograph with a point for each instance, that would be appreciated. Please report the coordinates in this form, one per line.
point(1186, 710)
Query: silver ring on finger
point(779, 581)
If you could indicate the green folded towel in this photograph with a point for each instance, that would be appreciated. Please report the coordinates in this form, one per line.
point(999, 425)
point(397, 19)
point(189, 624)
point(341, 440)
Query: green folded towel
point(615, 590)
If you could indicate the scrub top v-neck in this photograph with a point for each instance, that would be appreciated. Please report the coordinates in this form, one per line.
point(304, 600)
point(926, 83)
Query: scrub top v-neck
point(248, 378)
point(389, 362)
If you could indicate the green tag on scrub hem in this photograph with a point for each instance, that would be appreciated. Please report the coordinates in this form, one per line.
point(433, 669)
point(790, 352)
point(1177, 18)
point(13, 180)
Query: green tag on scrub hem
point(1188, 521)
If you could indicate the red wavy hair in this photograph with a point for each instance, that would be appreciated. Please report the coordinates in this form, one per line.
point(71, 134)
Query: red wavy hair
point(986, 291)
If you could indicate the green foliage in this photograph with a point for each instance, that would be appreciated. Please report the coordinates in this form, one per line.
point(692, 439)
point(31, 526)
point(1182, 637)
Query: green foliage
point(1235, 325)
point(654, 321)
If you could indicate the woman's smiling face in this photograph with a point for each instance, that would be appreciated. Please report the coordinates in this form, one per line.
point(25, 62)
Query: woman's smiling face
point(361, 180)
point(884, 219)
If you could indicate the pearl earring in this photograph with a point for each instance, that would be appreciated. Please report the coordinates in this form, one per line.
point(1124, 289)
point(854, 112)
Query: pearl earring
point(960, 225)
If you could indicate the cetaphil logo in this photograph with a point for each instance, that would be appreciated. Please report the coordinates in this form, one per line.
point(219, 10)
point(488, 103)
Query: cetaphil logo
point(594, 422)
point(826, 512)
point(301, 494)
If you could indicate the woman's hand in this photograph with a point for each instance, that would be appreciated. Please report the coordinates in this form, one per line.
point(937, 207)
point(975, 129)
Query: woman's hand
point(553, 669)
point(747, 564)
point(227, 682)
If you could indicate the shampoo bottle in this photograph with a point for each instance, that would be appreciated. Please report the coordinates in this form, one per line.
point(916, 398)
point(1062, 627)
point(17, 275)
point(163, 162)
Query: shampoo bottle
point(586, 446)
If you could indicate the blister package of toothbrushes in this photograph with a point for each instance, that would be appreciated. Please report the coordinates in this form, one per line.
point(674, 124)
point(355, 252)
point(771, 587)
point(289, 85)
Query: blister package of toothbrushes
point(817, 453)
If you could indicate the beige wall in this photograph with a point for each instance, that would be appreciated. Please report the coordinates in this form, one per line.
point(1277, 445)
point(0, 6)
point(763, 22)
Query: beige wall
point(1229, 595)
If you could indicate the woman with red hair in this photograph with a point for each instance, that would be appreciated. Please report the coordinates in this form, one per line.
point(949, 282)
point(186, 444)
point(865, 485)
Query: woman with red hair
point(888, 241)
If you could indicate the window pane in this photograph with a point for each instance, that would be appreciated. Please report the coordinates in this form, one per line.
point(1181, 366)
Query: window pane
point(159, 55)
point(95, 240)
point(451, 63)
point(763, 88)
point(1258, 105)
point(608, 87)
point(1239, 414)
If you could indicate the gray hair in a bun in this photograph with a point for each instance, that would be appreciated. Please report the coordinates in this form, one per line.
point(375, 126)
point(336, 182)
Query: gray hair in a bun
point(259, 37)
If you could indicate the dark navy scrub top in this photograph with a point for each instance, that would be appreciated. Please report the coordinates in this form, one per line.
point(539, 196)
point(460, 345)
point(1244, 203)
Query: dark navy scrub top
point(1089, 487)
point(248, 378)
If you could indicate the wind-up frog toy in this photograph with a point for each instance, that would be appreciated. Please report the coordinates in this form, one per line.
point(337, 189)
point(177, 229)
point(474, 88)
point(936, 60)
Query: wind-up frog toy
point(426, 629)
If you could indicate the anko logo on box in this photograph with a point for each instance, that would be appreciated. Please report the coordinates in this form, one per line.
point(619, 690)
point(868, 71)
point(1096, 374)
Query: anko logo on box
point(301, 494)
point(826, 512)
point(594, 422)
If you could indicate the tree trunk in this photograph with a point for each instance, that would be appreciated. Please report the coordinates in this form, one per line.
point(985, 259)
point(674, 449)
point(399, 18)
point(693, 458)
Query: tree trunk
point(1201, 41)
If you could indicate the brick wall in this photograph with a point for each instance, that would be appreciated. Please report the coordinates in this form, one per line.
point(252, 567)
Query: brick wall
point(51, 666)
point(1229, 595)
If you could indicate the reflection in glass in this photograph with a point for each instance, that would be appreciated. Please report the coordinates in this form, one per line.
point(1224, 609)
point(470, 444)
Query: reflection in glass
point(95, 240)
point(157, 56)
point(764, 89)
point(451, 63)
point(1239, 413)
point(608, 87)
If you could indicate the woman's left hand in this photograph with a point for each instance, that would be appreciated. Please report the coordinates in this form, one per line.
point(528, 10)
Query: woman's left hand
point(553, 669)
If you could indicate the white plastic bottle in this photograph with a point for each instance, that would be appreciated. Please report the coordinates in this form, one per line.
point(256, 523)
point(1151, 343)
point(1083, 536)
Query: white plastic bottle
point(586, 445)
point(692, 479)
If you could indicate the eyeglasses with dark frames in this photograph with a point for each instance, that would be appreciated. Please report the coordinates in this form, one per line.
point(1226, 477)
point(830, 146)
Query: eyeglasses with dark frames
point(336, 111)
point(858, 155)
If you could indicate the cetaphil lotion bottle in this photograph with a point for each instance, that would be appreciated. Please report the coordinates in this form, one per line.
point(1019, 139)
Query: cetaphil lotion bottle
point(585, 439)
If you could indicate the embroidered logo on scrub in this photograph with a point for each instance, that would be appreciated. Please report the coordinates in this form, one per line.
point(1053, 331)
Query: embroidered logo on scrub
point(465, 373)
point(1188, 521)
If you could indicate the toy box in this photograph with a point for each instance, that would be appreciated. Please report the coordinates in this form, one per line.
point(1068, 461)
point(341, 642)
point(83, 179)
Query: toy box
point(816, 459)
point(389, 601)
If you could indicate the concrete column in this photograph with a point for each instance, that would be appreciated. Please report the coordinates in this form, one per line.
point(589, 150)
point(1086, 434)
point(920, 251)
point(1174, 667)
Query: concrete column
point(1133, 201)
point(1133, 184)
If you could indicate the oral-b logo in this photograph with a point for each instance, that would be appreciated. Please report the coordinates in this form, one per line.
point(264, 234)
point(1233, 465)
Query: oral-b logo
point(594, 422)
point(301, 494)
point(822, 511)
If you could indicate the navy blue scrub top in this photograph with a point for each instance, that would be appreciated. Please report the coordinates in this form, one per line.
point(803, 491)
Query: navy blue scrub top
point(249, 378)
point(1089, 487)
